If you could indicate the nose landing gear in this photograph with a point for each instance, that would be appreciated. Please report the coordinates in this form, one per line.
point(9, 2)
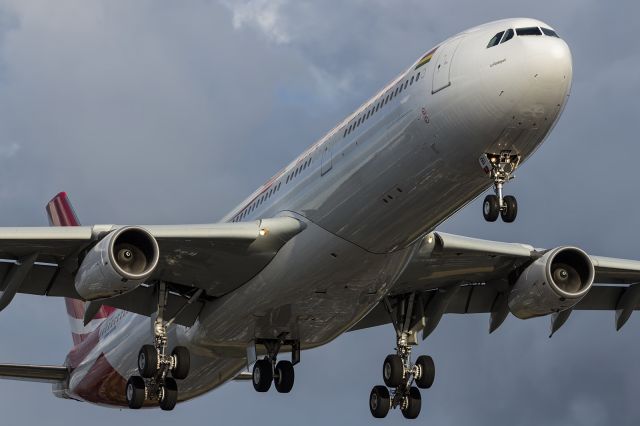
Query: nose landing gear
point(500, 168)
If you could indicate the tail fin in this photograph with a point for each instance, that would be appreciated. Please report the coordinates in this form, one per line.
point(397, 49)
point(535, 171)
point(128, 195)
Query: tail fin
point(61, 213)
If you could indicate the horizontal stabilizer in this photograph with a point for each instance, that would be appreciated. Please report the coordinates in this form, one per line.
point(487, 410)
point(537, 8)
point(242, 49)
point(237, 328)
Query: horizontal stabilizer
point(34, 373)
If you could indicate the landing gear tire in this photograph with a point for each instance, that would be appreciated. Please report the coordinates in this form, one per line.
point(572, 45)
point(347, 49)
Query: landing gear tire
point(135, 392)
point(168, 394)
point(412, 404)
point(379, 402)
point(284, 376)
point(491, 208)
point(510, 210)
point(393, 371)
point(427, 372)
point(148, 361)
point(182, 362)
point(262, 375)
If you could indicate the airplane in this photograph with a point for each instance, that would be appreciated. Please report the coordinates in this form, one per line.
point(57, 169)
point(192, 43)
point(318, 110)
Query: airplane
point(343, 238)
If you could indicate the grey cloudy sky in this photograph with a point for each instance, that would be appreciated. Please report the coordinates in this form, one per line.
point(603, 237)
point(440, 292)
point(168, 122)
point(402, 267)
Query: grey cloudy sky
point(172, 112)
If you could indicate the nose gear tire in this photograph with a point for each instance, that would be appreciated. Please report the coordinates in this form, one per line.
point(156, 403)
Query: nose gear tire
point(510, 210)
point(491, 208)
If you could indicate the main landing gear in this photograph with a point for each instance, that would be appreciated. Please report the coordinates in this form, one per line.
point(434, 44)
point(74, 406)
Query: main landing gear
point(500, 168)
point(155, 365)
point(398, 372)
point(269, 369)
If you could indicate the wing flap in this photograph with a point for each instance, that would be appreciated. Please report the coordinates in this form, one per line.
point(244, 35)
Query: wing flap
point(480, 299)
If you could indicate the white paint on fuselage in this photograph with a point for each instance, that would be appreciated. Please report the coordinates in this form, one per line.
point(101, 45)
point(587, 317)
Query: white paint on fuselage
point(329, 276)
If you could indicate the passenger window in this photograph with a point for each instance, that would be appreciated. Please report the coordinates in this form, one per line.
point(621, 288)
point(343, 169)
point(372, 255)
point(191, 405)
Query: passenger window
point(396, 92)
point(507, 36)
point(528, 31)
point(368, 113)
point(406, 84)
point(418, 76)
point(410, 83)
point(495, 40)
point(345, 133)
point(549, 32)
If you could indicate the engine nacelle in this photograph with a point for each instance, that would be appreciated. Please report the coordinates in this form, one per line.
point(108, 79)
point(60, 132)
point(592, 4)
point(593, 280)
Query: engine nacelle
point(119, 263)
point(553, 283)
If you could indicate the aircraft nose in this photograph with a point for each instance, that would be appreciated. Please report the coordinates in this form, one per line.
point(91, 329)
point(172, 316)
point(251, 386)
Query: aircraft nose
point(548, 71)
point(550, 60)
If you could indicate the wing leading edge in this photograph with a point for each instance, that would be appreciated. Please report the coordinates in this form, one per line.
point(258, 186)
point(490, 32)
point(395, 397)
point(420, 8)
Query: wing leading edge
point(461, 275)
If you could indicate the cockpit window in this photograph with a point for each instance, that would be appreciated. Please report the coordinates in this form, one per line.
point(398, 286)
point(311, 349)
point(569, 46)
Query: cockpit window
point(507, 36)
point(549, 32)
point(495, 40)
point(528, 31)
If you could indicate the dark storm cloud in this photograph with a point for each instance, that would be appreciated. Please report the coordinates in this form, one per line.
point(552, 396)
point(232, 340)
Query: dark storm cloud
point(171, 112)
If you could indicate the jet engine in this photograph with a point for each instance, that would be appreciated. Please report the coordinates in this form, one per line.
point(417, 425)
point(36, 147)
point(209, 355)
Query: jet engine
point(555, 282)
point(119, 263)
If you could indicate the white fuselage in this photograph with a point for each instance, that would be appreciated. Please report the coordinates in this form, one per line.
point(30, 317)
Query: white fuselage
point(392, 171)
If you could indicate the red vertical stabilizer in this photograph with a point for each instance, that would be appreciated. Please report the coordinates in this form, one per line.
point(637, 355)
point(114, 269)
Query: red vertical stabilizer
point(61, 213)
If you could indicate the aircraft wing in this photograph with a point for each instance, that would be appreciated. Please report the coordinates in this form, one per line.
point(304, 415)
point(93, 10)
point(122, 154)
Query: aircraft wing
point(214, 258)
point(461, 275)
point(34, 373)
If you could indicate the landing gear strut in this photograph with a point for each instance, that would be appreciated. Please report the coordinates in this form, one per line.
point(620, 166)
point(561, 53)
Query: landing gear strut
point(155, 365)
point(398, 372)
point(269, 369)
point(500, 168)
